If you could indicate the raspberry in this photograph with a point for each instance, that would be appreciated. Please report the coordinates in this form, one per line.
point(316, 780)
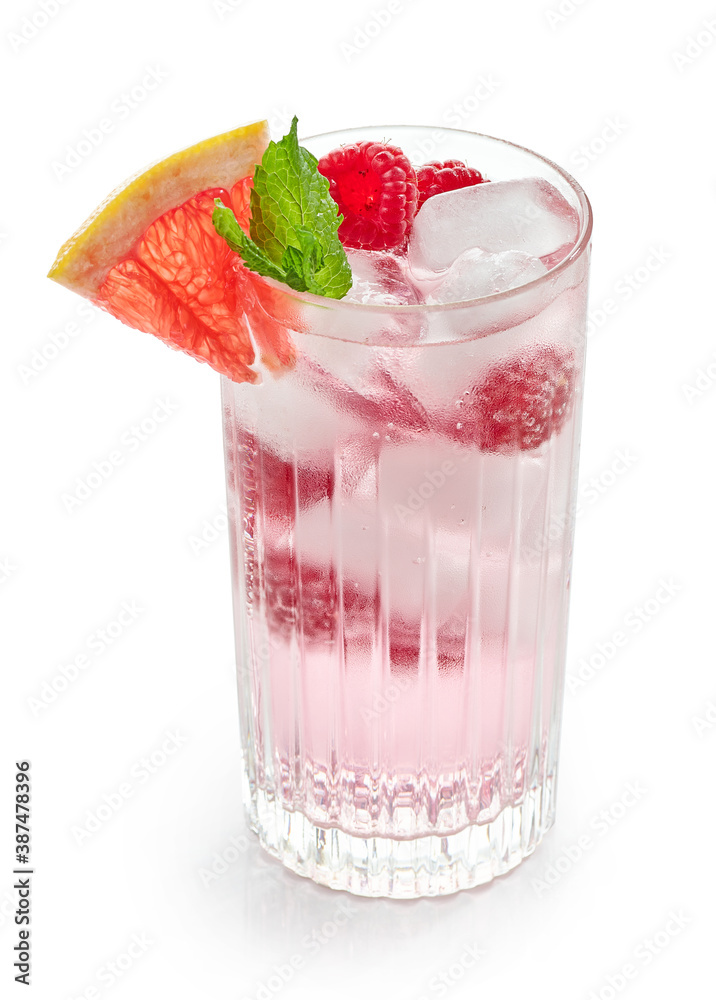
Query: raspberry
point(519, 404)
point(306, 597)
point(375, 187)
point(276, 486)
point(434, 178)
point(282, 487)
point(449, 646)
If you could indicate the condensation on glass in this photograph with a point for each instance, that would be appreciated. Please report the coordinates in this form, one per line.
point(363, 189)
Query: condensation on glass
point(401, 589)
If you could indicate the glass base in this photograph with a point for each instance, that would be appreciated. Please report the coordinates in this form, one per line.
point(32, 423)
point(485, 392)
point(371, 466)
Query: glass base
point(403, 869)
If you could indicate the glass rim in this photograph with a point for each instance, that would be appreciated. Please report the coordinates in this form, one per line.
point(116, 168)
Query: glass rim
point(581, 245)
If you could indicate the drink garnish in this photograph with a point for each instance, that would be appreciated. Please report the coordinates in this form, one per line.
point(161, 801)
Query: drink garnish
point(293, 230)
point(376, 189)
point(448, 175)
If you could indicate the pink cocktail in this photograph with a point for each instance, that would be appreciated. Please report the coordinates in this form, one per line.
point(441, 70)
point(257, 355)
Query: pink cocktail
point(401, 505)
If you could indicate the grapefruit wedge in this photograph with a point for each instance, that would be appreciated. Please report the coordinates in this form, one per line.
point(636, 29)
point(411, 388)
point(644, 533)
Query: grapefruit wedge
point(149, 255)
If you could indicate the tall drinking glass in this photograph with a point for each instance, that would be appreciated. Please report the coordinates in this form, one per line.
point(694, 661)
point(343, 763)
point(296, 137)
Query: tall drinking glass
point(401, 501)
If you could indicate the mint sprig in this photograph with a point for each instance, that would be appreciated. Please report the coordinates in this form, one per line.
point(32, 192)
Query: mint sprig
point(294, 223)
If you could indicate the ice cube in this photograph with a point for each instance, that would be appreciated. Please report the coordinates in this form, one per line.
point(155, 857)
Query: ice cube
point(376, 546)
point(378, 400)
point(527, 214)
point(289, 417)
point(380, 278)
point(476, 273)
point(452, 484)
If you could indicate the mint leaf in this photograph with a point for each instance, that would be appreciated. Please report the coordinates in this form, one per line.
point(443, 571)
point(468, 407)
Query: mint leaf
point(294, 223)
point(298, 266)
point(226, 226)
point(302, 264)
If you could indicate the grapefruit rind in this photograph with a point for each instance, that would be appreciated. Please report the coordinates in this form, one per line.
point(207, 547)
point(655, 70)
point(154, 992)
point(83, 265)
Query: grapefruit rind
point(110, 233)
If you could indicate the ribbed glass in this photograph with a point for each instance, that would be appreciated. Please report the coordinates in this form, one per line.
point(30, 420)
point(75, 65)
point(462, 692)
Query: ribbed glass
point(401, 586)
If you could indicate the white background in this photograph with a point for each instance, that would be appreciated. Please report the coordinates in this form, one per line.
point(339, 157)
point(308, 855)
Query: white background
point(617, 93)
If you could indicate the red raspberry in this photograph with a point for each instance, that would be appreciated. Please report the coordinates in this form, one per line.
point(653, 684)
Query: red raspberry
point(375, 187)
point(405, 646)
point(519, 404)
point(282, 487)
point(435, 177)
point(276, 486)
point(306, 597)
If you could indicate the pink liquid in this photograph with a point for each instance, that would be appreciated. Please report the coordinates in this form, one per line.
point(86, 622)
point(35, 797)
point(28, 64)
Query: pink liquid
point(402, 505)
point(401, 591)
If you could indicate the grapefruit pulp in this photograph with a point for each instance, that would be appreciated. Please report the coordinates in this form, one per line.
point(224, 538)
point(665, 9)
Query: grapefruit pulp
point(150, 256)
